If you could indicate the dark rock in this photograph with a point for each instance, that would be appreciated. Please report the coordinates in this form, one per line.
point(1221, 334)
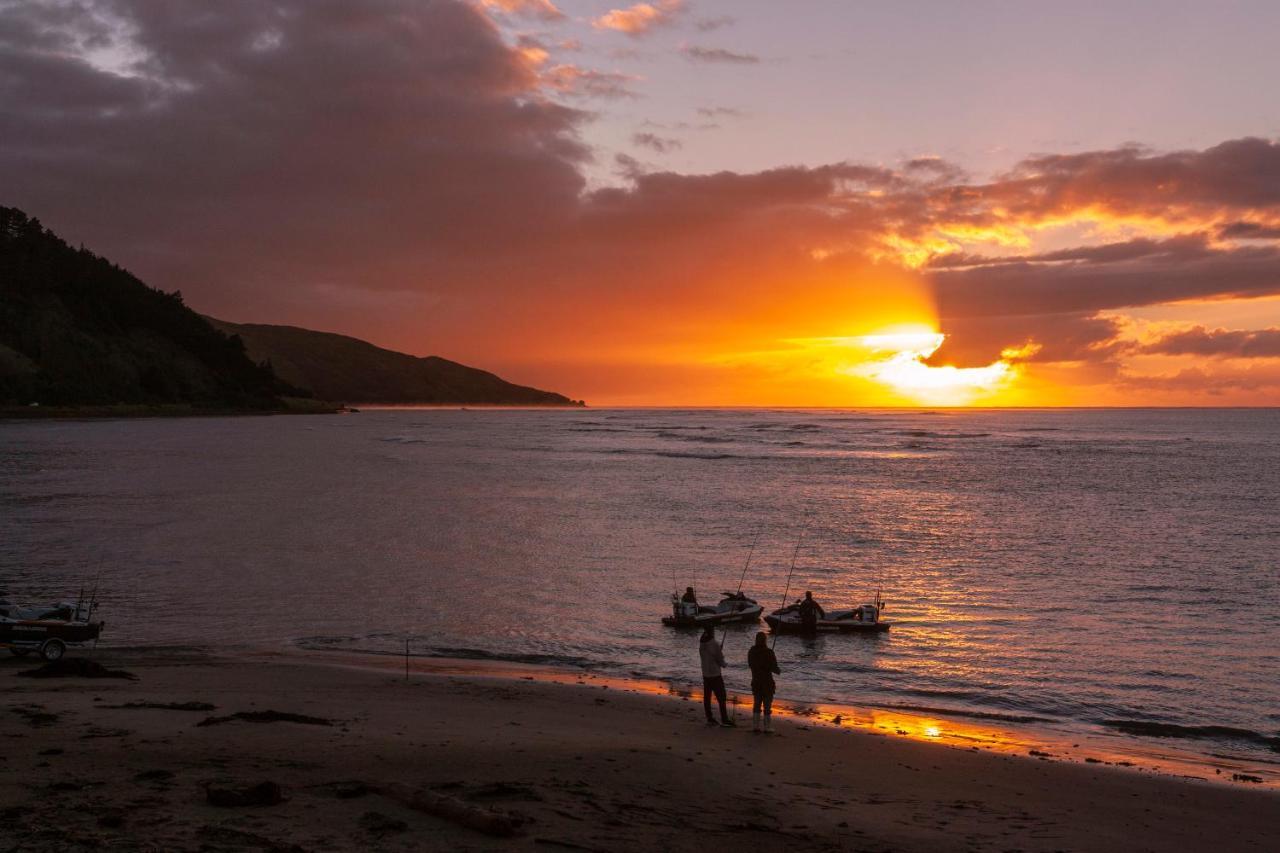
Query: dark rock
point(378, 824)
point(235, 796)
point(169, 706)
point(76, 668)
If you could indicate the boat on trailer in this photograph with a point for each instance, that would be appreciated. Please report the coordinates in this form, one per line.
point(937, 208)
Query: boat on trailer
point(48, 629)
point(864, 619)
point(733, 607)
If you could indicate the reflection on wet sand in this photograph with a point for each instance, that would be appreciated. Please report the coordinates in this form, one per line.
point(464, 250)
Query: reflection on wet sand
point(1039, 741)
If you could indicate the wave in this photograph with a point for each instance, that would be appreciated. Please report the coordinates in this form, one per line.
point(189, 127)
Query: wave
point(925, 433)
point(977, 715)
point(460, 652)
point(670, 454)
point(1149, 728)
point(706, 439)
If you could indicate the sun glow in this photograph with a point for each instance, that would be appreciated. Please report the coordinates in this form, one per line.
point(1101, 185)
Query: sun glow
point(897, 358)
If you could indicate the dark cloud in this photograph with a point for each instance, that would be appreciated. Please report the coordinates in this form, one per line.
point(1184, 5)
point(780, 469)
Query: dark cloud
point(975, 341)
point(263, 144)
point(660, 144)
point(1249, 231)
point(1224, 343)
point(695, 53)
point(707, 25)
point(1029, 288)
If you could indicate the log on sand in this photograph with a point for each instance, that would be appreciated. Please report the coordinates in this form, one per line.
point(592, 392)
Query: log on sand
point(482, 819)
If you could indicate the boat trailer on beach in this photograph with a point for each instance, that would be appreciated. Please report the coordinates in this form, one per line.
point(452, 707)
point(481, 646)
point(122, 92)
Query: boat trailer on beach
point(47, 629)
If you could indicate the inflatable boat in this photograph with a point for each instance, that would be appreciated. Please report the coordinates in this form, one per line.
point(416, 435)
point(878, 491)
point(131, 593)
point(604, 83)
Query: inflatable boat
point(733, 607)
point(864, 619)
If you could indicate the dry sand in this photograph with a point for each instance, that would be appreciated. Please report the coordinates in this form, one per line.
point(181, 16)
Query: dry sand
point(408, 765)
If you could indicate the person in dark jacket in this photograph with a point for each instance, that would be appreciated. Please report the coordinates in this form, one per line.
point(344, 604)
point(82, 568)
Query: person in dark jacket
point(810, 612)
point(764, 665)
point(689, 597)
point(711, 655)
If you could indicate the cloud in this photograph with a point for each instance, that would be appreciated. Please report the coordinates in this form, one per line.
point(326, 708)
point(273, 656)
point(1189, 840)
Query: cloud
point(585, 82)
point(656, 143)
point(641, 18)
point(707, 25)
point(1248, 231)
point(720, 112)
point(544, 9)
point(694, 53)
point(276, 161)
point(1222, 343)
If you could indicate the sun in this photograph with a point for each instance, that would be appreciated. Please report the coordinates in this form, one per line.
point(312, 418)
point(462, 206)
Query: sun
point(896, 357)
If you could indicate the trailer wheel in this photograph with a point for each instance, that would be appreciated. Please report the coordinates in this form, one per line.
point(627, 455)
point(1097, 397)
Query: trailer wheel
point(53, 650)
point(19, 653)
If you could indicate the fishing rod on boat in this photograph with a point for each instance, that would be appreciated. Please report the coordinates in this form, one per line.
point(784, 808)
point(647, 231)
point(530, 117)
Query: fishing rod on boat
point(794, 555)
point(750, 554)
point(742, 578)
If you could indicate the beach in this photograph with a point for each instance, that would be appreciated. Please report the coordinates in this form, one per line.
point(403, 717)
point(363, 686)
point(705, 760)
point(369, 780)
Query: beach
point(465, 757)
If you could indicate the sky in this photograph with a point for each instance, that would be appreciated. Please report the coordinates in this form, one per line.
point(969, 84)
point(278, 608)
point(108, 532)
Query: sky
point(688, 202)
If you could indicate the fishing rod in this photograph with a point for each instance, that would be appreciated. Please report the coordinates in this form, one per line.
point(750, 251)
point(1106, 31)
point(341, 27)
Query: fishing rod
point(742, 578)
point(750, 554)
point(787, 591)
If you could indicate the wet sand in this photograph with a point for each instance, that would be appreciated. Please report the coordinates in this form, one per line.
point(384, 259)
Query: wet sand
point(470, 761)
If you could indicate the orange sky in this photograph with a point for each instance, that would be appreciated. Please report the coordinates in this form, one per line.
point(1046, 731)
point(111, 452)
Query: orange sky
point(668, 204)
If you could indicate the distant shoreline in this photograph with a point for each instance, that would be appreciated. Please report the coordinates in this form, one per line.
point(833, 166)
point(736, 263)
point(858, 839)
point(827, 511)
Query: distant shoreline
point(298, 407)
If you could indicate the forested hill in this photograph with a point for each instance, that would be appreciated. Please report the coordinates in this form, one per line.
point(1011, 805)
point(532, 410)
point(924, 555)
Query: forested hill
point(349, 370)
point(76, 330)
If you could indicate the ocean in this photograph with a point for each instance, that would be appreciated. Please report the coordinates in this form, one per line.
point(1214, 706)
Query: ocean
point(1091, 571)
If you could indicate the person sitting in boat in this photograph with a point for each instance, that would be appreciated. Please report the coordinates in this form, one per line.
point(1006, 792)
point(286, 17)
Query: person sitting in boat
point(810, 612)
point(711, 654)
point(764, 666)
point(689, 597)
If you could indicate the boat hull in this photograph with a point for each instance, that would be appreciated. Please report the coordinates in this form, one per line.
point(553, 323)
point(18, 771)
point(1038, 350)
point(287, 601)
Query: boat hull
point(826, 626)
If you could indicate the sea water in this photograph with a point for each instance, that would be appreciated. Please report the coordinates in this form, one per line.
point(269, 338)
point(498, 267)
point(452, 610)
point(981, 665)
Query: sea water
point(1077, 567)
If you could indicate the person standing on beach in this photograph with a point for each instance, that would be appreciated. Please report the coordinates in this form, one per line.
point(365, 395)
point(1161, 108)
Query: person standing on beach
point(764, 665)
point(712, 655)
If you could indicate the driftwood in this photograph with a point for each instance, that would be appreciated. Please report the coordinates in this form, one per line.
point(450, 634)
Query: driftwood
point(452, 809)
point(266, 717)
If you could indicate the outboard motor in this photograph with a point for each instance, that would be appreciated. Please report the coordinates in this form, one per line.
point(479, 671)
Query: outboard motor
point(683, 609)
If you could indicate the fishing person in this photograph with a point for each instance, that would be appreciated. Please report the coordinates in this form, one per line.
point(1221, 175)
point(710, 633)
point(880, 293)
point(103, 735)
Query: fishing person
point(689, 596)
point(764, 666)
point(810, 612)
point(712, 656)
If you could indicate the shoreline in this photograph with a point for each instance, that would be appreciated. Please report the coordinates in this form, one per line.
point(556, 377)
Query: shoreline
point(956, 728)
point(357, 757)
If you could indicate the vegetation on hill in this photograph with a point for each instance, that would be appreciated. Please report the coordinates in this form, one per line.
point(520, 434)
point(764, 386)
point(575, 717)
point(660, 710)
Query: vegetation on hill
point(349, 370)
point(77, 330)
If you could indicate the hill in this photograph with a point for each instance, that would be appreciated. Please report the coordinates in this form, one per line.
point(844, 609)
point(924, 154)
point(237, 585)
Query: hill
point(77, 330)
point(349, 370)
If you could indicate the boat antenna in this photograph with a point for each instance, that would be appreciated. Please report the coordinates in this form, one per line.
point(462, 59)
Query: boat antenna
point(790, 572)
